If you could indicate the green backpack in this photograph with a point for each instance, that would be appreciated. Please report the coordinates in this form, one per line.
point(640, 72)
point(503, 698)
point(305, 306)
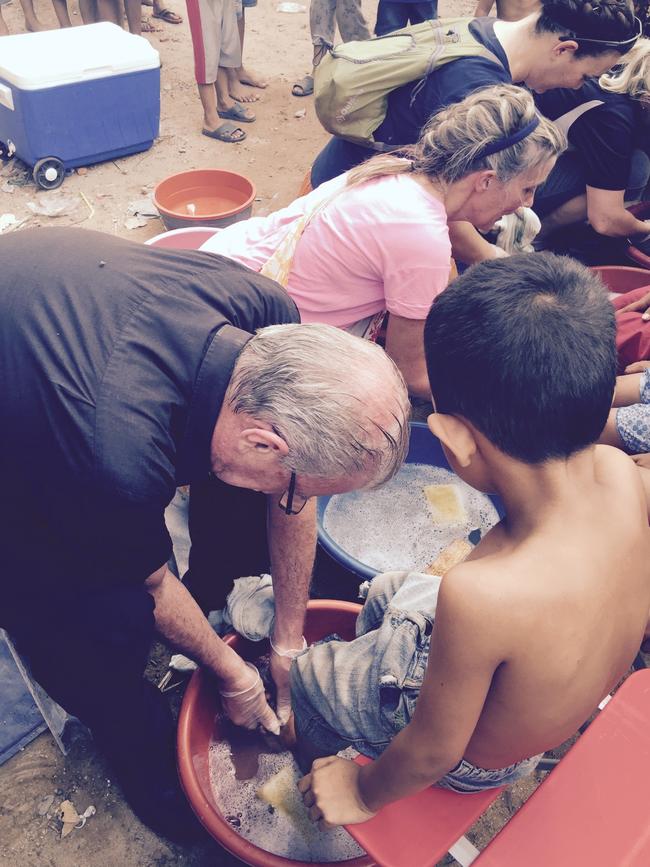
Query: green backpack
point(353, 80)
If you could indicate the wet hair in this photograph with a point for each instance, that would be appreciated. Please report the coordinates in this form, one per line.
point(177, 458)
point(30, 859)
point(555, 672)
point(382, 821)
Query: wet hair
point(452, 143)
point(592, 19)
point(524, 349)
point(632, 75)
point(339, 402)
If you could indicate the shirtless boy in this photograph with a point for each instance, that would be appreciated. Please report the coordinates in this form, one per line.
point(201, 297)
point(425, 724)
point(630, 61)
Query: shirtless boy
point(545, 616)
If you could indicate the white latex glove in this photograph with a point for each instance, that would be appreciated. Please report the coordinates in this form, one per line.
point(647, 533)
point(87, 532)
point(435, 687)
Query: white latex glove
point(248, 707)
point(281, 660)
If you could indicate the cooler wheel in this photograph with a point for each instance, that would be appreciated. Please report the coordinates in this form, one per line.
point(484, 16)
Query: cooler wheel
point(49, 173)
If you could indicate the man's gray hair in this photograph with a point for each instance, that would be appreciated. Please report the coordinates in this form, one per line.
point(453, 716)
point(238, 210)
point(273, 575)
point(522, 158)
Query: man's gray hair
point(339, 402)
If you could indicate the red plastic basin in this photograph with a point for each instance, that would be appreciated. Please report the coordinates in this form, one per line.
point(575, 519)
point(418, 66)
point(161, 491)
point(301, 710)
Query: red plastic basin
point(197, 727)
point(204, 197)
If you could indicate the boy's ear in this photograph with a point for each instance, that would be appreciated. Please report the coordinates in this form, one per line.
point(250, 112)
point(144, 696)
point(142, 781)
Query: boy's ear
point(455, 435)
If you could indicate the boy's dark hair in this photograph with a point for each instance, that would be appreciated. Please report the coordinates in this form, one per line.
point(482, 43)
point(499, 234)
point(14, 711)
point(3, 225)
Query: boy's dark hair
point(524, 349)
point(611, 21)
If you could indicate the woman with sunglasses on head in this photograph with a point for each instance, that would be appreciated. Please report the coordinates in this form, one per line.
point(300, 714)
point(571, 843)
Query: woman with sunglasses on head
point(376, 239)
point(562, 45)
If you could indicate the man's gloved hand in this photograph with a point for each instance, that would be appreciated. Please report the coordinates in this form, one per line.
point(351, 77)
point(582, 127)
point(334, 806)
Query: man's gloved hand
point(248, 707)
point(281, 660)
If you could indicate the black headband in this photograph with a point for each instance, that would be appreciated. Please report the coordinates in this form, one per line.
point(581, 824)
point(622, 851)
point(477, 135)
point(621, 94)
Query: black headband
point(507, 141)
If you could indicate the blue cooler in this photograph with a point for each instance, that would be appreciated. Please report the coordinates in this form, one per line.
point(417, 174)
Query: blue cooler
point(77, 96)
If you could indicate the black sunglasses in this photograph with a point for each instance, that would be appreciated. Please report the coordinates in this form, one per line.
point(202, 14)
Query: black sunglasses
point(609, 43)
point(286, 500)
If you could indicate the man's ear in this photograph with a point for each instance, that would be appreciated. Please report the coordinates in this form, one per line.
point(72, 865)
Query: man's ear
point(264, 440)
point(455, 435)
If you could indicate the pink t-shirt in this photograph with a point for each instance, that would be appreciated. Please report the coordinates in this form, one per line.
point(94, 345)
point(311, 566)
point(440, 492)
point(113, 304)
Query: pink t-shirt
point(382, 245)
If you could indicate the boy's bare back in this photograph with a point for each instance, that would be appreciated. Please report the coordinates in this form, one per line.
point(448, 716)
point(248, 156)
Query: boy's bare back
point(557, 608)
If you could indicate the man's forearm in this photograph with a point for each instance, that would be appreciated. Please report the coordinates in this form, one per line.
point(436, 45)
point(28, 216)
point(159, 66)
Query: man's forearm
point(400, 771)
point(180, 620)
point(292, 547)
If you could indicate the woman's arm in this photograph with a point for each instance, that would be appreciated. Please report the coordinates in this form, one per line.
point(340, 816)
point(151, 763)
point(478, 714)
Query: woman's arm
point(405, 345)
point(469, 246)
point(607, 214)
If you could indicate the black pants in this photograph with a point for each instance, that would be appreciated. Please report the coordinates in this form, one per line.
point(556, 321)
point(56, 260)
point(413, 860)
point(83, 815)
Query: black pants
point(89, 651)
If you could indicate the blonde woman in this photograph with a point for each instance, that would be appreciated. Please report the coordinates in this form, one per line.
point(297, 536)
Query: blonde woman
point(606, 122)
point(376, 239)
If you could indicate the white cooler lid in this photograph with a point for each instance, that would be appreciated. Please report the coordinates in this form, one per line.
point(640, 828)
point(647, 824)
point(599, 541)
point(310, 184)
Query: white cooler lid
point(31, 61)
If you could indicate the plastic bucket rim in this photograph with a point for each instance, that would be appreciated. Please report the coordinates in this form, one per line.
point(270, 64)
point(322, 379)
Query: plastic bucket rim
point(197, 218)
point(347, 561)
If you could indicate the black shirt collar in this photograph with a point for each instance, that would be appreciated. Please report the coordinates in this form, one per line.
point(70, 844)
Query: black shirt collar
point(193, 459)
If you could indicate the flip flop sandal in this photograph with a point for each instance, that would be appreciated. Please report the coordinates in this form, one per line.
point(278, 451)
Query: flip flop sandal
point(237, 112)
point(304, 87)
point(226, 133)
point(168, 16)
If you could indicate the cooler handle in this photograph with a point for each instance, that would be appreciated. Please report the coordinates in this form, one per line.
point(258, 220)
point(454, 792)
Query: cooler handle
point(6, 97)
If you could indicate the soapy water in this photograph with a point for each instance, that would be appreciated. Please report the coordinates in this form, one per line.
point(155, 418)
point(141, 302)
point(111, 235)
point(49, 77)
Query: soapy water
point(392, 527)
point(283, 830)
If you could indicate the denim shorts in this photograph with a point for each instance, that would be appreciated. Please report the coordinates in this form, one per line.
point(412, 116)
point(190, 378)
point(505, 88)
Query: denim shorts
point(361, 693)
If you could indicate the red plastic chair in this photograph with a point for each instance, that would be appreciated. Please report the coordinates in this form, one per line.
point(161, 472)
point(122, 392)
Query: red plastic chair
point(419, 830)
point(592, 809)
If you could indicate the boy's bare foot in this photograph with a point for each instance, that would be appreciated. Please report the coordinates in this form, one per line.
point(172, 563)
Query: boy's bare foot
point(252, 79)
point(148, 26)
point(235, 111)
point(242, 95)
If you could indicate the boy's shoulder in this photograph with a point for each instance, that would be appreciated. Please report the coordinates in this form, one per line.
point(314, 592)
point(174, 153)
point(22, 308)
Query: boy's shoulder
point(618, 472)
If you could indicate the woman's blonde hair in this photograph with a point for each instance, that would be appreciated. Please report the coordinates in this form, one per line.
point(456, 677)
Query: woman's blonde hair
point(632, 74)
point(453, 143)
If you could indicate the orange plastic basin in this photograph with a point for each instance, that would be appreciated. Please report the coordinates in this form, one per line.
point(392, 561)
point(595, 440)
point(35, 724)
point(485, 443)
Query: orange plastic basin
point(197, 726)
point(204, 197)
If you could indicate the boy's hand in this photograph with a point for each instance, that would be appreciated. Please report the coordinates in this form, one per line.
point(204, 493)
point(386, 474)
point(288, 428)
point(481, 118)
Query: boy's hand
point(331, 793)
point(641, 304)
point(637, 367)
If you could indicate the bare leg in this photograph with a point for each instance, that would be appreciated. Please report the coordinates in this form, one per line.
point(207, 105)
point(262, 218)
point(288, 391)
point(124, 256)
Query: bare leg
point(4, 30)
point(211, 119)
point(31, 21)
point(245, 74)
point(88, 9)
point(227, 84)
point(61, 10)
point(109, 10)
point(133, 10)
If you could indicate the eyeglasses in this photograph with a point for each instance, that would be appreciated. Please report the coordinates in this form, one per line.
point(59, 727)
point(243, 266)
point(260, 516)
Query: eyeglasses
point(608, 43)
point(287, 500)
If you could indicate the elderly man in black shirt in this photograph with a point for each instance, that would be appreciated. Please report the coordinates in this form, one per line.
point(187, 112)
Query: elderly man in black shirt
point(126, 371)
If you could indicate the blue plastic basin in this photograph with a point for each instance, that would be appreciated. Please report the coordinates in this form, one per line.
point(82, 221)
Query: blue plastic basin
point(424, 448)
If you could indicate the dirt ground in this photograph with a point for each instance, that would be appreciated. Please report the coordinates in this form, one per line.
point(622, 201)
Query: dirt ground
point(276, 154)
